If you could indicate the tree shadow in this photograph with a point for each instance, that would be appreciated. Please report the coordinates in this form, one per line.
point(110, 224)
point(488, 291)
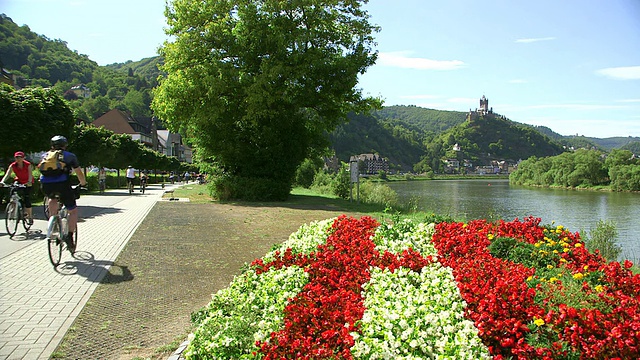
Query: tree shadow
point(101, 271)
point(32, 234)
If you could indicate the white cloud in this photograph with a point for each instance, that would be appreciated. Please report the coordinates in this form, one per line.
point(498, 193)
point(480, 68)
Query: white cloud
point(401, 60)
point(621, 73)
point(530, 40)
point(629, 101)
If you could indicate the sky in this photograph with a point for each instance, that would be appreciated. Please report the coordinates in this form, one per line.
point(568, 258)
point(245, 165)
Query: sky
point(570, 65)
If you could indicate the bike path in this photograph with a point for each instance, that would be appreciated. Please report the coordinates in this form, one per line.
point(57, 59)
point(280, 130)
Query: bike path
point(38, 303)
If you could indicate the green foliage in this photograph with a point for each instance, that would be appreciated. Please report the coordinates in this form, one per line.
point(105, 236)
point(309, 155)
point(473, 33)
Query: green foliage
point(226, 187)
point(581, 168)
point(30, 117)
point(603, 237)
point(342, 183)
point(306, 172)
point(261, 111)
point(378, 193)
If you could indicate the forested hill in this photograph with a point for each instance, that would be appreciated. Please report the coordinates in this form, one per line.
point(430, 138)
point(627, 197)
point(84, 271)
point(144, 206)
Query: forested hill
point(36, 60)
point(421, 119)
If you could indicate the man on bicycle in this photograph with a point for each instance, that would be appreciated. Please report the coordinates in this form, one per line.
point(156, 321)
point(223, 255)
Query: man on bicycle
point(22, 171)
point(61, 184)
point(131, 175)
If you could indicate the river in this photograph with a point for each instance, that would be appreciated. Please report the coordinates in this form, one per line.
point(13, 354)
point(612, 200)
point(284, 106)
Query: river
point(495, 198)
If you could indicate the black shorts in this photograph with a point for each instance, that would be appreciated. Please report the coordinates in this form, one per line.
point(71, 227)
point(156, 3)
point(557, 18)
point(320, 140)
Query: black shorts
point(64, 190)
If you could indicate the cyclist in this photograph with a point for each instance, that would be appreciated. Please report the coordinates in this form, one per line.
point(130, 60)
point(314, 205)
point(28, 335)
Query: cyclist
point(102, 179)
point(143, 180)
point(131, 174)
point(61, 184)
point(22, 171)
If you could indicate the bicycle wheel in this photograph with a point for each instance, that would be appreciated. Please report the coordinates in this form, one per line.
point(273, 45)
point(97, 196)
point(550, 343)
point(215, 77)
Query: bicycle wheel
point(143, 189)
point(54, 241)
point(45, 207)
point(25, 223)
point(12, 217)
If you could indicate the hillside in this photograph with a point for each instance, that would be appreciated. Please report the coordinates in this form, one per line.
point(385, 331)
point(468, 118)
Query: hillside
point(367, 134)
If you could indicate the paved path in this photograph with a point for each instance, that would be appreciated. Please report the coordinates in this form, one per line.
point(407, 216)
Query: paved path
point(38, 303)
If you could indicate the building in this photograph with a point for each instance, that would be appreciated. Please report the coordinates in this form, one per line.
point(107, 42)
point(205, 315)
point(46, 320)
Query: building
point(484, 110)
point(370, 164)
point(82, 91)
point(145, 130)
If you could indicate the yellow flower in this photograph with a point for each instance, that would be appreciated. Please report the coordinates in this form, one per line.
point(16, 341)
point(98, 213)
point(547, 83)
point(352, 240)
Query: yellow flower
point(490, 236)
point(578, 276)
point(599, 288)
point(549, 266)
point(563, 260)
point(559, 227)
point(586, 267)
point(555, 251)
point(530, 278)
point(578, 245)
point(553, 279)
point(538, 322)
point(566, 250)
point(537, 245)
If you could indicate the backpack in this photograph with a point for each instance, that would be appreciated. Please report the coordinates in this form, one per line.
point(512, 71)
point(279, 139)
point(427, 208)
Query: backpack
point(52, 164)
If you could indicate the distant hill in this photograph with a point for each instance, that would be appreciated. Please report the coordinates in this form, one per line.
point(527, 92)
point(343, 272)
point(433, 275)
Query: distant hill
point(146, 68)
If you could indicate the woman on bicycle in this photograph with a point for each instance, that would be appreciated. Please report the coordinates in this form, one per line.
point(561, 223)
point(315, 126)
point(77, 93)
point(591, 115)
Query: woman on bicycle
point(22, 171)
point(61, 184)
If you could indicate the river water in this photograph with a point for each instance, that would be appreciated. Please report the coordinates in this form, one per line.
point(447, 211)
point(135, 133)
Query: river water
point(495, 198)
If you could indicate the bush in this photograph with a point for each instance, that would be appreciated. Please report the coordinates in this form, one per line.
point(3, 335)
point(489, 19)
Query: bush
point(323, 182)
point(378, 193)
point(342, 183)
point(227, 187)
point(603, 237)
point(305, 173)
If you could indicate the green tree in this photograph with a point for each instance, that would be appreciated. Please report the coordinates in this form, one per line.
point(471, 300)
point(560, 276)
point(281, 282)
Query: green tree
point(92, 145)
point(30, 117)
point(256, 84)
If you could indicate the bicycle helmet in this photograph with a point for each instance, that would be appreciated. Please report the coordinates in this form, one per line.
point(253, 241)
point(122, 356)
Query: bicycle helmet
point(58, 142)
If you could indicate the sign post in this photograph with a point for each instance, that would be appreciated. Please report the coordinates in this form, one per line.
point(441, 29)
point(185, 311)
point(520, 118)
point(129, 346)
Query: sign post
point(355, 178)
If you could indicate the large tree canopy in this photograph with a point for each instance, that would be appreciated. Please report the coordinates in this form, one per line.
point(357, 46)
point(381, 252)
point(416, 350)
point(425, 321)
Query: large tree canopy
point(30, 117)
point(256, 84)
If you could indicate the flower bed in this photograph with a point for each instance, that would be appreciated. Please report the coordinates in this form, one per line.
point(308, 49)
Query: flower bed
point(349, 288)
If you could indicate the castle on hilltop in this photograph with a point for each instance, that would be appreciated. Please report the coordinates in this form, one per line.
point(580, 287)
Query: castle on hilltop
point(484, 110)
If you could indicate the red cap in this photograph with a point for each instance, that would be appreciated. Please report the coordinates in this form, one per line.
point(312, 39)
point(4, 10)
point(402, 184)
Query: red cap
point(18, 153)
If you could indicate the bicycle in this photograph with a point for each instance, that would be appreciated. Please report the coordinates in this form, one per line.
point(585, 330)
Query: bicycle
point(143, 185)
point(58, 227)
point(14, 212)
point(130, 185)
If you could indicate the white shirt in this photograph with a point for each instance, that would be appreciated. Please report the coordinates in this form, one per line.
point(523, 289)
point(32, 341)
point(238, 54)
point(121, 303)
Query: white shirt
point(131, 173)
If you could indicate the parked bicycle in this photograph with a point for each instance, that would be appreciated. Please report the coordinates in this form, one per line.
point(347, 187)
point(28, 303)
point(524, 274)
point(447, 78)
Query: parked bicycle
point(14, 212)
point(58, 227)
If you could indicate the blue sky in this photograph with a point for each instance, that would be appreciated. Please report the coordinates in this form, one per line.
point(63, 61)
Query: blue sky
point(570, 65)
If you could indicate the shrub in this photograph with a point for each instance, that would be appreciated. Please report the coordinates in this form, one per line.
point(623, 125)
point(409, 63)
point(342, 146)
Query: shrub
point(228, 187)
point(603, 237)
point(378, 193)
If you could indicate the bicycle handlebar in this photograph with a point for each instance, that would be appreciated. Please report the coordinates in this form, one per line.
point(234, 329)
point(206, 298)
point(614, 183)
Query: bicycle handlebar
point(14, 185)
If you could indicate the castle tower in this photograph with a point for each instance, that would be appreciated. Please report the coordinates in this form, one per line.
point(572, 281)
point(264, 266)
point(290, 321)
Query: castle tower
point(484, 105)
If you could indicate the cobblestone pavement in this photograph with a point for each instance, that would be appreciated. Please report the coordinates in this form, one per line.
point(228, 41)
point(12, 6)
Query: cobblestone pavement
point(38, 303)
